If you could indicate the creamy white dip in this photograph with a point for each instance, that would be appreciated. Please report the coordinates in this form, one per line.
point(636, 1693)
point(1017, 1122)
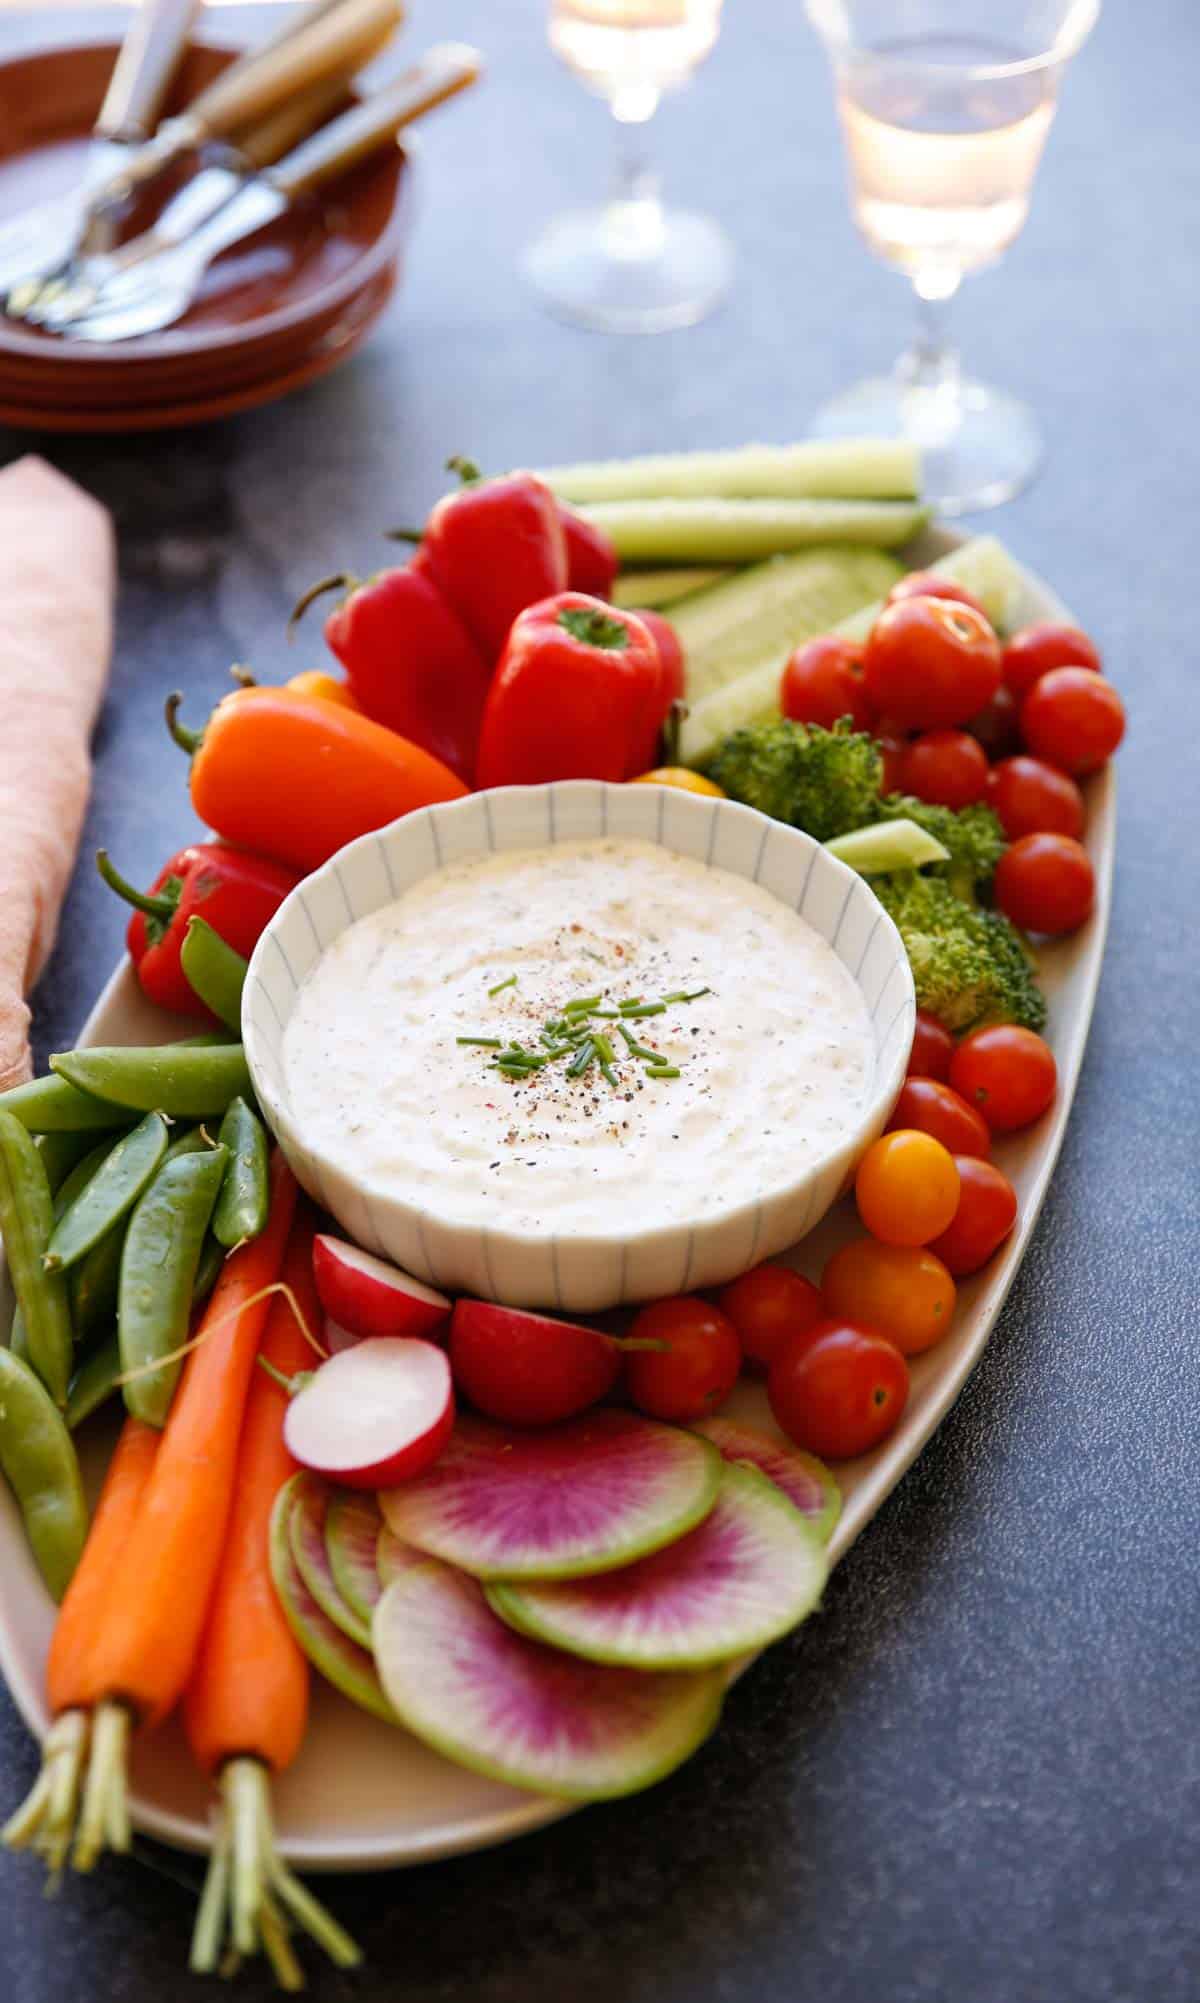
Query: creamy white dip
point(774, 1062)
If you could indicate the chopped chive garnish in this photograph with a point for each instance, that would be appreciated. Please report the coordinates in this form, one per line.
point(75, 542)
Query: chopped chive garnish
point(662, 1071)
point(500, 986)
point(584, 1056)
point(572, 1037)
point(682, 995)
point(635, 1013)
point(480, 1042)
point(603, 1048)
point(607, 1014)
point(581, 1004)
point(609, 1073)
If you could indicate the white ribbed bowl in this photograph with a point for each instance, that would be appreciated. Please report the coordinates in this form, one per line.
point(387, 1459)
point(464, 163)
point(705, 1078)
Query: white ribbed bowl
point(573, 1272)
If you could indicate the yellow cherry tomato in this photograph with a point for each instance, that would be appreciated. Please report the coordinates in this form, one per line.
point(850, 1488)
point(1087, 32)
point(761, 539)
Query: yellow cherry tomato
point(327, 687)
point(901, 1291)
point(907, 1188)
point(678, 775)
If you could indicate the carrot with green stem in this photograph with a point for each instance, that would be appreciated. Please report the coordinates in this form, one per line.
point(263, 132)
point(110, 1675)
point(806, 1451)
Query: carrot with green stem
point(155, 1610)
point(246, 1706)
point(46, 1819)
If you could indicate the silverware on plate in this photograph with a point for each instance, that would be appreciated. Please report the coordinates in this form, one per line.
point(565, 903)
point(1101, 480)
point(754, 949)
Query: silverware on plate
point(156, 290)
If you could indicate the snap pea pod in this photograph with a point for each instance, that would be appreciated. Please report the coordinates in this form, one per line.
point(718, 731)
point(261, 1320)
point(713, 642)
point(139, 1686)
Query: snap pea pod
point(110, 1194)
point(158, 1273)
point(95, 1281)
point(61, 1153)
point(212, 1258)
point(94, 1382)
point(214, 970)
point(188, 1081)
point(41, 1467)
point(242, 1206)
point(53, 1106)
point(18, 1341)
point(74, 1184)
point(26, 1221)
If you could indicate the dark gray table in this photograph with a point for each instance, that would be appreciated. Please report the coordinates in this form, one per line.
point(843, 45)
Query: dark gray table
point(974, 1775)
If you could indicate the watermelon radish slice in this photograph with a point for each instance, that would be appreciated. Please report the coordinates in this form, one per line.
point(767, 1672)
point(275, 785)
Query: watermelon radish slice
point(341, 1661)
point(393, 1557)
point(507, 1707)
point(806, 1481)
point(585, 1497)
point(307, 1532)
point(753, 1569)
point(352, 1527)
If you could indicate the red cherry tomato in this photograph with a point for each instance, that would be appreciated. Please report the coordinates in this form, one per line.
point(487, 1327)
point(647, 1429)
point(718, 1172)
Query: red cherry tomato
point(838, 1390)
point(1073, 718)
point(995, 725)
point(947, 767)
point(1045, 883)
point(932, 1048)
point(934, 1108)
point(987, 1211)
point(695, 1370)
point(932, 584)
point(1030, 797)
point(1033, 651)
point(767, 1307)
point(824, 680)
point(930, 663)
point(1007, 1072)
point(891, 749)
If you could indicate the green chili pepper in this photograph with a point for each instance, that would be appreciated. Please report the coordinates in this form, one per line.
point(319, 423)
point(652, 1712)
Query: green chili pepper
point(52, 1106)
point(94, 1382)
point(158, 1272)
point(241, 1210)
point(214, 971)
point(110, 1194)
point(40, 1464)
point(61, 1153)
point(212, 1258)
point(189, 1081)
point(26, 1221)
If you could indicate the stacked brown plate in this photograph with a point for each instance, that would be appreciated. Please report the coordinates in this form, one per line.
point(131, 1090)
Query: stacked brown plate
point(276, 311)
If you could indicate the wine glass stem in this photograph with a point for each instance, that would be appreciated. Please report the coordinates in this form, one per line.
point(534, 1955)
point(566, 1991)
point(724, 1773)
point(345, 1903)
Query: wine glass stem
point(634, 219)
point(931, 362)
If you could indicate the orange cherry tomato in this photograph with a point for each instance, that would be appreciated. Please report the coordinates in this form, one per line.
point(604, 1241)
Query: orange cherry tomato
point(930, 663)
point(903, 1292)
point(1046, 883)
point(838, 1390)
point(906, 1187)
point(679, 777)
point(987, 1211)
point(1007, 1072)
point(767, 1307)
point(934, 1107)
point(695, 1369)
point(932, 1048)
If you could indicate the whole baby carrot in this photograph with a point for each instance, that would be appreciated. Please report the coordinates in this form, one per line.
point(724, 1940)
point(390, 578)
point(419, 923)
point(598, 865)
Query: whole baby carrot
point(246, 1705)
point(144, 1651)
point(47, 1817)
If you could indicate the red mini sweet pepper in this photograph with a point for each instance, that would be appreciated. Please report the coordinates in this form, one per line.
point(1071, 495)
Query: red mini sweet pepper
point(237, 893)
point(410, 662)
point(592, 560)
point(495, 547)
point(577, 690)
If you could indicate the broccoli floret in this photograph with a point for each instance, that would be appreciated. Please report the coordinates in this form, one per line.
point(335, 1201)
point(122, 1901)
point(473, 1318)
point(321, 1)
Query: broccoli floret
point(969, 965)
point(824, 781)
point(973, 836)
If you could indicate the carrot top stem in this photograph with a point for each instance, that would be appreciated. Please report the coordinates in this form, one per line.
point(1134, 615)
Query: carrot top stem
point(104, 1817)
point(250, 1895)
point(46, 1818)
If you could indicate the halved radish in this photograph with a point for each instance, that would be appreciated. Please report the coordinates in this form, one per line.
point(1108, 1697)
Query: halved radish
point(806, 1481)
point(369, 1297)
point(349, 1668)
point(306, 1532)
point(338, 1338)
point(378, 1413)
point(585, 1497)
point(505, 1706)
point(353, 1526)
point(753, 1569)
point(528, 1369)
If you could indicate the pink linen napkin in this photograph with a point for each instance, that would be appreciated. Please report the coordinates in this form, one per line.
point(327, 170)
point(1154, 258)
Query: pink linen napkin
point(56, 601)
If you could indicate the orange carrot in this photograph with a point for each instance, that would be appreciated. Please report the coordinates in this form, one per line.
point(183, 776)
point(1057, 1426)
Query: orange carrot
point(144, 1653)
point(248, 1691)
point(85, 1606)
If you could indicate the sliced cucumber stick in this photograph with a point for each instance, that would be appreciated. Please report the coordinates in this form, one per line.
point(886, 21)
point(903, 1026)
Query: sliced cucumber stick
point(730, 531)
point(870, 469)
point(656, 589)
point(983, 565)
point(769, 609)
point(892, 845)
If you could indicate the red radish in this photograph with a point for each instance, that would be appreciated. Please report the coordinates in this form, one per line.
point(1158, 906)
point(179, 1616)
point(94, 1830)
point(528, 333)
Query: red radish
point(368, 1297)
point(528, 1369)
point(377, 1414)
point(338, 1338)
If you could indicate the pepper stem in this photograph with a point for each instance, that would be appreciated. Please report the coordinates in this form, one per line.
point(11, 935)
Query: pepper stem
point(677, 716)
point(189, 740)
point(243, 676)
point(468, 472)
point(156, 904)
point(594, 627)
point(339, 580)
point(405, 535)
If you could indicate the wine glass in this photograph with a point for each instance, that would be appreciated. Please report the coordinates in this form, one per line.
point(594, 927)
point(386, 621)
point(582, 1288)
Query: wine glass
point(945, 107)
point(632, 265)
